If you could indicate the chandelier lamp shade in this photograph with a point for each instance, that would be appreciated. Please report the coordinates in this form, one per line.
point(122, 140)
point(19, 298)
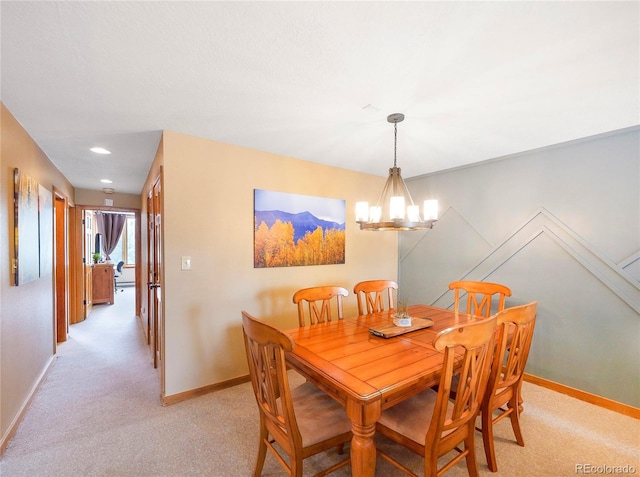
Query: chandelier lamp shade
point(395, 209)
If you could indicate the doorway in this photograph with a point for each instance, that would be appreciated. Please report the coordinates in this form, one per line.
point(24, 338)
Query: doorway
point(83, 230)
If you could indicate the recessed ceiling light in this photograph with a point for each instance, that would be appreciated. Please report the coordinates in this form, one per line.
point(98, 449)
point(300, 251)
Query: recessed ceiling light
point(100, 150)
point(106, 181)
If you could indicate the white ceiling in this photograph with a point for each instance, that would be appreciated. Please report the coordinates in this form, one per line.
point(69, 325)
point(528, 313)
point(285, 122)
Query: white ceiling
point(316, 80)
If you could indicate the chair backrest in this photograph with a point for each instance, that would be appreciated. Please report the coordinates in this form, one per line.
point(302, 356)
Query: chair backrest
point(372, 291)
point(479, 296)
point(119, 266)
point(452, 422)
point(515, 333)
point(266, 347)
point(319, 294)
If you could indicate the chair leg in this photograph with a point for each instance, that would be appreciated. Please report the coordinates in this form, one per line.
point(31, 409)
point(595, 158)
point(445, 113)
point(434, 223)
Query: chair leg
point(430, 469)
point(430, 463)
point(296, 466)
point(520, 400)
point(472, 464)
point(515, 420)
point(262, 452)
point(487, 439)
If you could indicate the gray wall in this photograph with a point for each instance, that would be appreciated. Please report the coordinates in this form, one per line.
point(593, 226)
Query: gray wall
point(558, 225)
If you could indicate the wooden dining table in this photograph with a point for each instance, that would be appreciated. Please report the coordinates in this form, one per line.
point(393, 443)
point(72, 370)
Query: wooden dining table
point(368, 374)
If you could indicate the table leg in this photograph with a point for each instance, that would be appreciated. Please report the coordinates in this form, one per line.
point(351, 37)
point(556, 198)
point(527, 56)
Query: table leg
point(363, 449)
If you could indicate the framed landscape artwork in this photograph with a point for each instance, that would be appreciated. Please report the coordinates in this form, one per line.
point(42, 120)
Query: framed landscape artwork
point(26, 230)
point(296, 230)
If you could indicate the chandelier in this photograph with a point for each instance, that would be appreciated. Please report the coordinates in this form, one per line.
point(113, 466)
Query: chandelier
point(395, 209)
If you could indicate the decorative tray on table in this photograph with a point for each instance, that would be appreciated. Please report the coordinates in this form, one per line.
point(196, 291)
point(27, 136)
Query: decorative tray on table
point(389, 330)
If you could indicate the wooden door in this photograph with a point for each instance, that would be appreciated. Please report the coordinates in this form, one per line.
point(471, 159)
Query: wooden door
point(75, 233)
point(62, 308)
point(155, 277)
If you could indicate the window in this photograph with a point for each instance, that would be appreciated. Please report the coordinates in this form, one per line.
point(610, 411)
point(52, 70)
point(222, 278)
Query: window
point(126, 248)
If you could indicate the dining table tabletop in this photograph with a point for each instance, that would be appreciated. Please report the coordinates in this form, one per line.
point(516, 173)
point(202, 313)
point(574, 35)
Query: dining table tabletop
point(367, 373)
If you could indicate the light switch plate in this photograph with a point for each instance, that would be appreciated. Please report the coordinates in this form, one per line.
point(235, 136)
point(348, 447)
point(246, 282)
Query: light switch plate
point(186, 263)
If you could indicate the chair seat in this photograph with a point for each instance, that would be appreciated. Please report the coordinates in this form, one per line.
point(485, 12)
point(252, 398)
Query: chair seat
point(420, 409)
point(319, 416)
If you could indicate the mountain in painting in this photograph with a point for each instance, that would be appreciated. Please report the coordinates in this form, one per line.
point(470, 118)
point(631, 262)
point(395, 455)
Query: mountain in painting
point(302, 222)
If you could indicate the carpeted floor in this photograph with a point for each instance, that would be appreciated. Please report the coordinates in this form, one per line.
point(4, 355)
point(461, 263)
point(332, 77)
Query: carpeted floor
point(98, 413)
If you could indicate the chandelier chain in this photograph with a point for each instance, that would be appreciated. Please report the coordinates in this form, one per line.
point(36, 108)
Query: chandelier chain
point(395, 143)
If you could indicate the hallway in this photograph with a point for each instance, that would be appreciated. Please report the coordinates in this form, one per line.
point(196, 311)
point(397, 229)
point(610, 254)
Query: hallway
point(101, 383)
point(98, 412)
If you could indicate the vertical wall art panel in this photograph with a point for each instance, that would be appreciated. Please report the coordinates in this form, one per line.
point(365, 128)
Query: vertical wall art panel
point(45, 223)
point(295, 230)
point(27, 261)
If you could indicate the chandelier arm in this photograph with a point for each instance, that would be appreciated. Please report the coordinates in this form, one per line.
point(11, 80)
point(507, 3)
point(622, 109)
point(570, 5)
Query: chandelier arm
point(380, 202)
point(404, 189)
point(399, 188)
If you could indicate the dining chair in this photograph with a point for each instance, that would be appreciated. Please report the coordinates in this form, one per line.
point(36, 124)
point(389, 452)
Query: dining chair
point(372, 293)
point(324, 295)
point(431, 425)
point(513, 342)
point(479, 296)
point(303, 421)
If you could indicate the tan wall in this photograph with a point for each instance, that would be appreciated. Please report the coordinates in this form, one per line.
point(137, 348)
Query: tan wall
point(208, 215)
point(27, 340)
point(97, 197)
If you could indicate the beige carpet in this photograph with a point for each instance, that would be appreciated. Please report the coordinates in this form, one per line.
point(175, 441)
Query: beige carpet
point(98, 413)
